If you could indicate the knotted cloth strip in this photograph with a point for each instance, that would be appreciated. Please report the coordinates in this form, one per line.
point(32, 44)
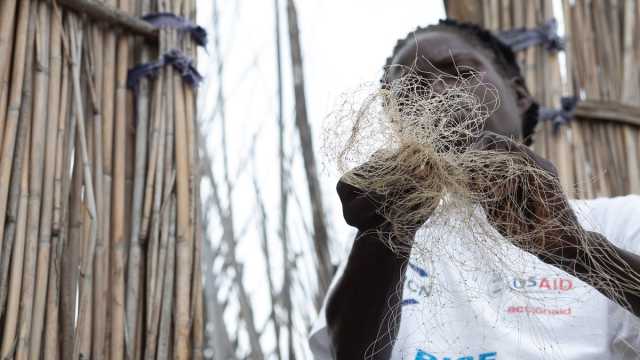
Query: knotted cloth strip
point(176, 58)
point(169, 20)
point(561, 116)
point(521, 38)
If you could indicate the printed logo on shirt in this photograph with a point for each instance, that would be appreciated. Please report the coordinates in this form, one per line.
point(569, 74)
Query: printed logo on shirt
point(415, 289)
point(538, 310)
point(423, 355)
point(536, 284)
point(532, 284)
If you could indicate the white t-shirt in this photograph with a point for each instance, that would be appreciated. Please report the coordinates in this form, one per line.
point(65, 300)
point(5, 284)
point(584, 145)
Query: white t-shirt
point(477, 297)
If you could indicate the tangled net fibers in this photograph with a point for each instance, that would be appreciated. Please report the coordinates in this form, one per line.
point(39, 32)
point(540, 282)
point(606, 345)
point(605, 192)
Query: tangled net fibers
point(410, 146)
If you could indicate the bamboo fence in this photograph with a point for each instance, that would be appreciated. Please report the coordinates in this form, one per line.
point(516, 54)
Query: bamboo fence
point(99, 186)
point(597, 153)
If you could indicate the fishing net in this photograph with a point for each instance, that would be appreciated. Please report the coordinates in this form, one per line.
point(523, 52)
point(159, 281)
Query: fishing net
point(412, 144)
point(416, 146)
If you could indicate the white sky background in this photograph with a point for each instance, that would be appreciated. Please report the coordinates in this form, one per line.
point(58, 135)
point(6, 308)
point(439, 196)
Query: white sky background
point(345, 44)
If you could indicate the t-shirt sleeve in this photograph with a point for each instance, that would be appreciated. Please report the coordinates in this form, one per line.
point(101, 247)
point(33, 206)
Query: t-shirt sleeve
point(618, 219)
point(319, 341)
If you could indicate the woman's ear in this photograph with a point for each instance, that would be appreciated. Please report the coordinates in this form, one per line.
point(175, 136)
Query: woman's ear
point(523, 97)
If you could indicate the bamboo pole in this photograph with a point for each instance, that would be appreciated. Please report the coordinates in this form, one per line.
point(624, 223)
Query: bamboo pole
point(159, 300)
point(19, 160)
point(630, 88)
point(59, 232)
point(100, 289)
point(169, 168)
point(63, 153)
point(196, 304)
point(164, 166)
point(36, 178)
point(103, 255)
point(629, 92)
point(152, 253)
point(82, 344)
point(46, 218)
point(9, 340)
point(7, 18)
point(464, 10)
point(24, 143)
point(118, 198)
point(135, 248)
point(71, 205)
point(20, 62)
point(184, 240)
point(51, 334)
point(70, 263)
point(164, 344)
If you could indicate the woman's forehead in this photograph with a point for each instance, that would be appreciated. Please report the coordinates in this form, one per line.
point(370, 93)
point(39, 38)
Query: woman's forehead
point(438, 46)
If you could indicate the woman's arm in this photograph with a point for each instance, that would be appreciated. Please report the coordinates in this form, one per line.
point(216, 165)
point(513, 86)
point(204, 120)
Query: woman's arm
point(609, 269)
point(363, 311)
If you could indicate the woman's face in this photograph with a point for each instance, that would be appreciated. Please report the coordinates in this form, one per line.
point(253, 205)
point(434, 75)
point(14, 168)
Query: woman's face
point(447, 52)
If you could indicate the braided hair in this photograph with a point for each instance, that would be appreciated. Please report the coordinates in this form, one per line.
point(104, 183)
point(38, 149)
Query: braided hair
point(503, 57)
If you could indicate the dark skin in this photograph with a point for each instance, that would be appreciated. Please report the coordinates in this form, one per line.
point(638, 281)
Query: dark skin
point(373, 271)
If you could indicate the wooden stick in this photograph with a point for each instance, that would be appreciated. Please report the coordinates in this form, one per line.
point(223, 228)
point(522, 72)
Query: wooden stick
point(110, 14)
point(609, 111)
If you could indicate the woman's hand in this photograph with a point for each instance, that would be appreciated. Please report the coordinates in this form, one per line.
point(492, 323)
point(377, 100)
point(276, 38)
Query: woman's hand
point(387, 194)
point(528, 205)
